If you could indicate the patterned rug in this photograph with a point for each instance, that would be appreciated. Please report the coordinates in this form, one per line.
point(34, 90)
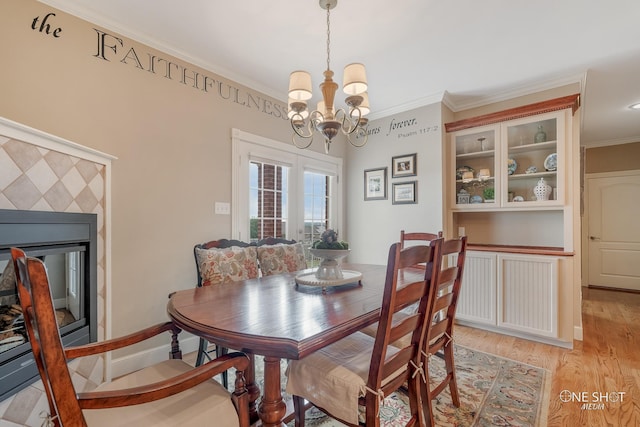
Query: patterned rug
point(493, 391)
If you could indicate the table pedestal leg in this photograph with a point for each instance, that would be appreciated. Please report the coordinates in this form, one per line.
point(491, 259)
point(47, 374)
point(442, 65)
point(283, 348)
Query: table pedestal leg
point(272, 408)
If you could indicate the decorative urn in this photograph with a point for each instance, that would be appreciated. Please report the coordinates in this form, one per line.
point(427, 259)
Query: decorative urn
point(542, 190)
point(331, 250)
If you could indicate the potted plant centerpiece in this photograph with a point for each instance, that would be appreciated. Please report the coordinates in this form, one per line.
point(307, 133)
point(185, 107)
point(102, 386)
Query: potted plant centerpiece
point(330, 249)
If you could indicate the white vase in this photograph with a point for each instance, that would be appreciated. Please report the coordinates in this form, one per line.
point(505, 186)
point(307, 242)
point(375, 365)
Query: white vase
point(542, 190)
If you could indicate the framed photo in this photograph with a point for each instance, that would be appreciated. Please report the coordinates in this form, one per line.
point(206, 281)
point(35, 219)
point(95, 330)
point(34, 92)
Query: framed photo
point(375, 184)
point(404, 193)
point(403, 165)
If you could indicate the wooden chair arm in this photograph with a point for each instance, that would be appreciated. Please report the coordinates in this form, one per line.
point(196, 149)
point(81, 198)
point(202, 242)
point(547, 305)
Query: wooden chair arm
point(166, 388)
point(117, 343)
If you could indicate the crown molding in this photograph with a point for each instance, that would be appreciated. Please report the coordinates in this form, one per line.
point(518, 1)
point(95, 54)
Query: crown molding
point(609, 142)
point(402, 108)
point(523, 90)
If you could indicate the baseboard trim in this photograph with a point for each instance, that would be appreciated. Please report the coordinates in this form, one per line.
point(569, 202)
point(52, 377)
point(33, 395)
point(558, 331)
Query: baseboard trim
point(133, 362)
point(577, 333)
point(518, 334)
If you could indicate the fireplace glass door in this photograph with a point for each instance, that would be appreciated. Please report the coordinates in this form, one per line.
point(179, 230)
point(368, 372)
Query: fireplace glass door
point(65, 269)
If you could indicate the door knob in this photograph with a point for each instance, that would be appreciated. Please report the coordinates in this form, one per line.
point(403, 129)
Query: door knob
point(594, 238)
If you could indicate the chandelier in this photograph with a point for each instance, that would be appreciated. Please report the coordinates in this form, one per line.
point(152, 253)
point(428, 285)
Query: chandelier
point(325, 119)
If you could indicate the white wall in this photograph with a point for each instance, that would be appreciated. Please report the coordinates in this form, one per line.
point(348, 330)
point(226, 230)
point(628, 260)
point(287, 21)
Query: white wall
point(372, 226)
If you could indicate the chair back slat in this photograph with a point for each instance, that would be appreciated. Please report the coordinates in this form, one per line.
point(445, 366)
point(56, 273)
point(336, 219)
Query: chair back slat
point(397, 362)
point(405, 327)
point(443, 302)
point(223, 243)
point(418, 236)
point(274, 241)
point(447, 277)
point(410, 293)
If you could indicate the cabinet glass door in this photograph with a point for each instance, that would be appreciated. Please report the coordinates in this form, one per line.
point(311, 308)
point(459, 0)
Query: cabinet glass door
point(475, 168)
point(532, 161)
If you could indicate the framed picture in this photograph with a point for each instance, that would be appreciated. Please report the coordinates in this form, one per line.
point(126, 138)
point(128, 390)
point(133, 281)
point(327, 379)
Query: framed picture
point(375, 184)
point(403, 165)
point(404, 192)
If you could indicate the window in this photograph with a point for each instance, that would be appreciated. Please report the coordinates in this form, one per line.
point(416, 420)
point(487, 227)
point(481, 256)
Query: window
point(268, 195)
point(317, 197)
point(282, 191)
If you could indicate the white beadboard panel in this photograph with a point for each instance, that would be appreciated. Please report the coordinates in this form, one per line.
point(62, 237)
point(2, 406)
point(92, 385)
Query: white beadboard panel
point(477, 300)
point(528, 294)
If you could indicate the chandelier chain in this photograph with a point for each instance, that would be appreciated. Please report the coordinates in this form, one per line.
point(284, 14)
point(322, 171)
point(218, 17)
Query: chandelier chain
point(328, 38)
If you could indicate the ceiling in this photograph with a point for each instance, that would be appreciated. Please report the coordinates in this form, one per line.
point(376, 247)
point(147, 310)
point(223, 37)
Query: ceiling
point(465, 52)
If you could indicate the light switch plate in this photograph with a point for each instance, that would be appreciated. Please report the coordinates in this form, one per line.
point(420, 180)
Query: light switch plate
point(223, 208)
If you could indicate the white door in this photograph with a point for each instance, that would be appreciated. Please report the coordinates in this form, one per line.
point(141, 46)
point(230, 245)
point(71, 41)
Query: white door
point(614, 231)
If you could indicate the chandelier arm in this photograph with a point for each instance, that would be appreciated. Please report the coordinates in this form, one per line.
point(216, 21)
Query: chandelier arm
point(299, 140)
point(349, 123)
point(360, 134)
point(299, 125)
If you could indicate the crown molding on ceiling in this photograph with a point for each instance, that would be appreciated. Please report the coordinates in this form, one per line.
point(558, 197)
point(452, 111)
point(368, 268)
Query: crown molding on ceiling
point(608, 142)
point(467, 103)
point(402, 108)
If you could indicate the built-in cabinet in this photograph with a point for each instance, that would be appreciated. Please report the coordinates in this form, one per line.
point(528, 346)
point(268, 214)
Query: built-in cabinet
point(511, 185)
point(500, 166)
point(511, 291)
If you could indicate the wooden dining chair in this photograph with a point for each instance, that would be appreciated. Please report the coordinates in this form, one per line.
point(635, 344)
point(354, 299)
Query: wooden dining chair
point(360, 370)
point(220, 261)
point(170, 393)
point(441, 311)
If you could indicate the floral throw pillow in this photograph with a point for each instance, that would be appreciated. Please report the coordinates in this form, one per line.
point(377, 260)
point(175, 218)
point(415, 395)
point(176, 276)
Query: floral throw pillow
point(281, 258)
point(227, 265)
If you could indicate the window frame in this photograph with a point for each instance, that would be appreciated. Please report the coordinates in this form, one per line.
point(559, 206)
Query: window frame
point(247, 147)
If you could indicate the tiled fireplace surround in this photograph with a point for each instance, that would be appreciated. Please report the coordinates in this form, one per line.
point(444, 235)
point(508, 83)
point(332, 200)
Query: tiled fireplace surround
point(44, 173)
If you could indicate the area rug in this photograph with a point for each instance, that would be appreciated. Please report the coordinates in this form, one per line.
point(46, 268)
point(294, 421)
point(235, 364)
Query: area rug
point(494, 391)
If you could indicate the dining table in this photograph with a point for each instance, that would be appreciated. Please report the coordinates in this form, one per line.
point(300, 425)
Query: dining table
point(275, 317)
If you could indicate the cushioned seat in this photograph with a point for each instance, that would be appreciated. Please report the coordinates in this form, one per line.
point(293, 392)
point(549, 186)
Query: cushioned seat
point(197, 406)
point(338, 375)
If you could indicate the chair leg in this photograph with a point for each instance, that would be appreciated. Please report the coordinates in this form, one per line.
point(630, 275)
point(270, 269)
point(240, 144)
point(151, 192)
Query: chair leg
point(221, 351)
point(298, 410)
point(451, 372)
point(202, 351)
point(425, 396)
point(415, 407)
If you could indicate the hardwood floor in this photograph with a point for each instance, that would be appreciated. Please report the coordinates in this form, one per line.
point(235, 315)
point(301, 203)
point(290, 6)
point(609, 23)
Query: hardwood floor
point(606, 361)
